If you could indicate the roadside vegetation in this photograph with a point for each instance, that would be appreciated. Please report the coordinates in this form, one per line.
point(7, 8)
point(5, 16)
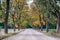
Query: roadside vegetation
point(7, 35)
point(3, 36)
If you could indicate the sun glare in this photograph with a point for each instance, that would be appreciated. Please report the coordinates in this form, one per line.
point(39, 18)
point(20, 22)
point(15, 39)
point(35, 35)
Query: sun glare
point(29, 2)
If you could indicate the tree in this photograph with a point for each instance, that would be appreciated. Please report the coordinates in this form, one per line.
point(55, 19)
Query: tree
point(17, 5)
point(6, 16)
point(43, 9)
point(55, 10)
point(0, 5)
point(40, 4)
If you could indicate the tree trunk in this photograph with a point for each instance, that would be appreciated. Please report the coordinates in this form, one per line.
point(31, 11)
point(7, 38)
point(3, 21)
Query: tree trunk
point(0, 5)
point(40, 23)
point(58, 23)
point(41, 28)
point(19, 27)
point(47, 27)
point(13, 22)
point(6, 17)
point(14, 27)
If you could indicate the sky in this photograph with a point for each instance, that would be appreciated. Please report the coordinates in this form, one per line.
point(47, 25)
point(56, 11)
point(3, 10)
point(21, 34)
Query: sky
point(29, 2)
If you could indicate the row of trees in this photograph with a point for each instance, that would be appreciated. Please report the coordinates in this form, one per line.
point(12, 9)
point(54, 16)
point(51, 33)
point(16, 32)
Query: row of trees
point(42, 12)
point(7, 7)
point(18, 14)
point(51, 7)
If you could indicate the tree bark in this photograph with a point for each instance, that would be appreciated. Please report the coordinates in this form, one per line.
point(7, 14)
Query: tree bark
point(58, 24)
point(19, 27)
point(6, 17)
point(41, 28)
point(13, 21)
point(14, 25)
point(47, 27)
point(40, 23)
point(0, 5)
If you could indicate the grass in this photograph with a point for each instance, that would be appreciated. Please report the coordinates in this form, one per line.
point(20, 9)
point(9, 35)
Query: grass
point(52, 32)
point(9, 34)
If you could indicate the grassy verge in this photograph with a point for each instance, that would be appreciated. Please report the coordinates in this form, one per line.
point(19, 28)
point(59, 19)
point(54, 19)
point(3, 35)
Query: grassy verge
point(52, 32)
point(8, 35)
